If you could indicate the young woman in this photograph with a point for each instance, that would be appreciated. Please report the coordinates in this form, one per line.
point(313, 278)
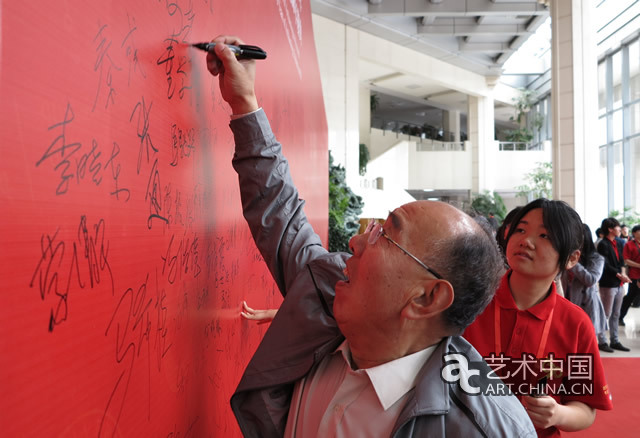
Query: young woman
point(537, 335)
point(581, 284)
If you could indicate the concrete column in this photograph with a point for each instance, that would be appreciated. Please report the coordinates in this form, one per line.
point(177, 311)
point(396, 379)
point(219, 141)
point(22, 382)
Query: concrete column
point(574, 107)
point(481, 126)
point(451, 123)
point(352, 107)
point(365, 116)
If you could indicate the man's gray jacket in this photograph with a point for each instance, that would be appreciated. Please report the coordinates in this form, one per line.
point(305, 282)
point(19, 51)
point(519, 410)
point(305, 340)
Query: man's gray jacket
point(304, 330)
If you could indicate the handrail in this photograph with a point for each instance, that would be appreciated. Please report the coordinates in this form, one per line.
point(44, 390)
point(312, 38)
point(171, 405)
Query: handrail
point(519, 146)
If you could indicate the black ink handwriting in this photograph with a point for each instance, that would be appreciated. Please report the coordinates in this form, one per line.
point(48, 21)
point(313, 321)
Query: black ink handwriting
point(90, 246)
point(181, 260)
point(182, 143)
point(153, 194)
point(115, 173)
point(146, 144)
point(103, 44)
point(131, 50)
point(64, 149)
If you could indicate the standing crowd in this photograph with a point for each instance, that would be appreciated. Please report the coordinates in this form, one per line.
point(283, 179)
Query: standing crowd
point(597, 283)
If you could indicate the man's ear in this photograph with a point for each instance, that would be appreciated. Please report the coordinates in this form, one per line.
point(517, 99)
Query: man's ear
point(429, 299)
point(573, 259)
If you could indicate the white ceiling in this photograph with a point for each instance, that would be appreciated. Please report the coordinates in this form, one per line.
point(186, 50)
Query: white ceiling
point(477, 35)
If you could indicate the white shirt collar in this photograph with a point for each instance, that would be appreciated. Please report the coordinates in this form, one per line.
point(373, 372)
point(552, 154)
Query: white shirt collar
point(392, 380)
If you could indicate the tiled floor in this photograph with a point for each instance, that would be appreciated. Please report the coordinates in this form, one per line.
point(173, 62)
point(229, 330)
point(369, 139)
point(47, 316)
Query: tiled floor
point(629, 335)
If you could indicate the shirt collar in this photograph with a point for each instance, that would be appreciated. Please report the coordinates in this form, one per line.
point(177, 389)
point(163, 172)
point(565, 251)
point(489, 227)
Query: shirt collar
point(541, 310)
point(392, 380)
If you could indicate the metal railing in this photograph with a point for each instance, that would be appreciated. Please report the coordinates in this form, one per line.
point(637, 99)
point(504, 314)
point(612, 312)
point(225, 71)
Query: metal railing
point(519, 146)
point(435, 145)
point(415, 130)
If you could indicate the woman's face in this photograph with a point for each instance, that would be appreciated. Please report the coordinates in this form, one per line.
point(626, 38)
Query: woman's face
point(529, 250)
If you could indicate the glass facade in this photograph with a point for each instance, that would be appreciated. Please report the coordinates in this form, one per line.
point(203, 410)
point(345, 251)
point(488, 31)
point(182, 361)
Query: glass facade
point(619, 125)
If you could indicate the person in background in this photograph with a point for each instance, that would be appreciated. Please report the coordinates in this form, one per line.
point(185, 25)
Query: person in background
point(358, 345)
point(599, 236)
point(631, 255)
point(493, 222)
point(580, 284)
point(624, 233)
point(527, 319)
point(613, 277)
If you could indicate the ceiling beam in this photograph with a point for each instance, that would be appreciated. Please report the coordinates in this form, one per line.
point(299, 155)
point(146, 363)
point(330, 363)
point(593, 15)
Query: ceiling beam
point(483, 47)
point(456, 8)
point(472, 29)
point(426, 21)
point(535, 22)
point(383, 78)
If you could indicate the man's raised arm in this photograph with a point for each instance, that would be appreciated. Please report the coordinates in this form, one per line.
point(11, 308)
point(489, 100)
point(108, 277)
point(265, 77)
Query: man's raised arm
point(270, 200)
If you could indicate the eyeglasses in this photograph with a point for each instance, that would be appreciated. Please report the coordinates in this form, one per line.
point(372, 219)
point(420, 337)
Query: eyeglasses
point(375, 230)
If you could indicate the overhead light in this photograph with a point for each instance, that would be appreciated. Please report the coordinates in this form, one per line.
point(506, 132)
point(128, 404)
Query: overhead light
point(375, 2)
point(435, 2)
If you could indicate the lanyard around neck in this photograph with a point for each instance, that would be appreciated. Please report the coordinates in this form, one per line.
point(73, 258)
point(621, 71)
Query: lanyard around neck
point(498, 332)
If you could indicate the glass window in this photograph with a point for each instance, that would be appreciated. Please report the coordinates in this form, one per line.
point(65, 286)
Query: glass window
point(602, 88)
point(602, 131)
point(634, 168)
point(634, 118)
point(616, 60)
point(618, 177)
point(617, 125)
point(601, 187)
point(634, 70)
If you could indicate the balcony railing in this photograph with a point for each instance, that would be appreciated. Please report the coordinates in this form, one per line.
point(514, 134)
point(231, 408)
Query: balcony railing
point(420, 131)
point(435, 145)
point(519, 146)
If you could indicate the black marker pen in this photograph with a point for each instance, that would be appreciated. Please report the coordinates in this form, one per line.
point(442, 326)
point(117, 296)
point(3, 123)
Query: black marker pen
point(242, 51)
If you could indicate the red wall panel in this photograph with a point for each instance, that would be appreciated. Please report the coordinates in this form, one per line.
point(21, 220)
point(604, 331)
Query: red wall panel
point(124, 255)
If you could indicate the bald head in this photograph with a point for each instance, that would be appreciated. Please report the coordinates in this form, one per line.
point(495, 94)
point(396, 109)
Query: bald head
point(438, 219)
point(460, 249)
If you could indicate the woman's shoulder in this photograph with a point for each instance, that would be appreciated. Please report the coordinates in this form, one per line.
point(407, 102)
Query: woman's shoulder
point(569, 313)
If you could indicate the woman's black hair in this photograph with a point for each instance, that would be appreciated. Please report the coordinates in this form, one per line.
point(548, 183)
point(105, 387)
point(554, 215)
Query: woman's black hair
point(563, 225)
point(501, 232)
point(588, 248)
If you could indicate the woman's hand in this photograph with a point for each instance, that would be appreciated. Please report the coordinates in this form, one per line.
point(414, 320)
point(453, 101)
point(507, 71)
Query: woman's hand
point(262, 316)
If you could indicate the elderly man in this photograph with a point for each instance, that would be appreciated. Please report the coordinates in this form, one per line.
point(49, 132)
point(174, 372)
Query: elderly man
point(357, 346)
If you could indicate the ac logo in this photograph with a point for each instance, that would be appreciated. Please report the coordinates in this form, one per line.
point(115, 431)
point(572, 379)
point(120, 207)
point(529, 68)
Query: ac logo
point(457, 369)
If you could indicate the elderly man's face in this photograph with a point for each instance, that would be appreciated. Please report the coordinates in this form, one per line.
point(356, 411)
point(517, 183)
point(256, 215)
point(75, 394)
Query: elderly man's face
point(381, 276)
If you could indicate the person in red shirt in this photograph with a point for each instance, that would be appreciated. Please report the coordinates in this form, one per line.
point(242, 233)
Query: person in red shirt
point(536, 336)
point(631, 254)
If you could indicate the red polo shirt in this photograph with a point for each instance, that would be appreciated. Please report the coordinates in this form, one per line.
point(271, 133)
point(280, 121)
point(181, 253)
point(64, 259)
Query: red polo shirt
point(632, 253)
point(571, 339)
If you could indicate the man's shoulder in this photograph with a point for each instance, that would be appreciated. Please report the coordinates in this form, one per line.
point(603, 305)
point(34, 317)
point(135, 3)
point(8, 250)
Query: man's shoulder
point(327, 269)
point(631, 246)
point(603, 246)
point(495, 414)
